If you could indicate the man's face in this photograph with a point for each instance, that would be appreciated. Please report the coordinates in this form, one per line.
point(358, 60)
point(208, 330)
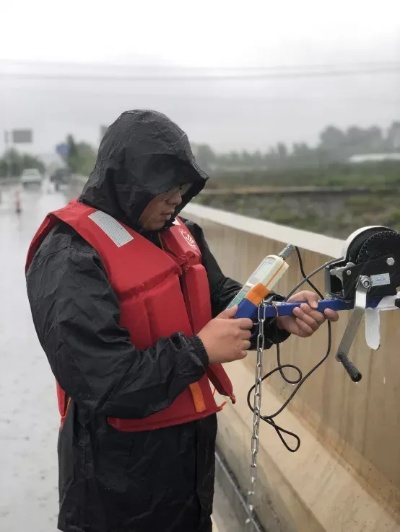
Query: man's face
point(162, 207)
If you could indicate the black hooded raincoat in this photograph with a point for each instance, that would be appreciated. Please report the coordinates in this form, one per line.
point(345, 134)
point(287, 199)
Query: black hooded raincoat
point(109, 481)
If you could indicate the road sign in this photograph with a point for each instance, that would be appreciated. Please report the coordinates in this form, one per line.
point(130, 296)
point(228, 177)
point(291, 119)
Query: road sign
point(63, 150)
point(22, 136)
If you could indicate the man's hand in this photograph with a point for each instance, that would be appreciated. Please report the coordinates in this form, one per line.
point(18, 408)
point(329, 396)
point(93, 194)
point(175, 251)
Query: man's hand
point(225, 338)
point(305, 320)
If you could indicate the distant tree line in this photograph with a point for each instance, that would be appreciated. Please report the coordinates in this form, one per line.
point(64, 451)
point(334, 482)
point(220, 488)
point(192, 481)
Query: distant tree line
point(13, 163)
point(334, 146)
point(80, 157)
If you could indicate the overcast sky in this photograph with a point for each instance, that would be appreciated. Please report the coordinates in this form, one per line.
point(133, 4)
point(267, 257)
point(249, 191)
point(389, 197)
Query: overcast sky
point(85, 38)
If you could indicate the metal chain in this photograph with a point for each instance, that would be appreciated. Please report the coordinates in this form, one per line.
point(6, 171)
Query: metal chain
point(256, 414)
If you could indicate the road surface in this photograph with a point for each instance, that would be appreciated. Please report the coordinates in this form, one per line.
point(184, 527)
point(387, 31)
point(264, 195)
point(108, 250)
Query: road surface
point(28, 412)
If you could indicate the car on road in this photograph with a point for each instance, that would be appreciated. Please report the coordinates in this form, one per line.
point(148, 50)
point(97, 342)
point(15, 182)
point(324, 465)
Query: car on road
point(31, 176)
point(60, 176)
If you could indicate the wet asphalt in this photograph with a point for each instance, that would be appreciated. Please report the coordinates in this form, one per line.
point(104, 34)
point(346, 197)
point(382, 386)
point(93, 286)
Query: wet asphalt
point(28, 409)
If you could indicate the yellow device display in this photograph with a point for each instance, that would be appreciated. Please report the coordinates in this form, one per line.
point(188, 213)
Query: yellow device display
point(268, 273)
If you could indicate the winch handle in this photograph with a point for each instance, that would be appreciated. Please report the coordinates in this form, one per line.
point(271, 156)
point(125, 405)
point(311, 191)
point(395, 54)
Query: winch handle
point(352, 371)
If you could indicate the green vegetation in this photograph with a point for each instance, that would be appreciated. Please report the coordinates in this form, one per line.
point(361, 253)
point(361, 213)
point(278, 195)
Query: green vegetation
point(334, 146)
point(80, 160)
point(371, 174)
point(13, 163)
point(81, 156)
point(331, 213)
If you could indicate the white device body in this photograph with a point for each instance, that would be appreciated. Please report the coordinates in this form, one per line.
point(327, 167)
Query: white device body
point(269, 271)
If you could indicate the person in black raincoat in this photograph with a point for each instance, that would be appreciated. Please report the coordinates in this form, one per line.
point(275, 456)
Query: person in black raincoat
point(151, 481)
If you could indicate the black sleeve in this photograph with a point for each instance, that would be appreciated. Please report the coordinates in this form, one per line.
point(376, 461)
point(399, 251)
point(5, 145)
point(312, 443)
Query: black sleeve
point(76, 315)
point(223, 289)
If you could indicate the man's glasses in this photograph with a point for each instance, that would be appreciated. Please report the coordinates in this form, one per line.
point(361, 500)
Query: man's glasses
point(181, 190)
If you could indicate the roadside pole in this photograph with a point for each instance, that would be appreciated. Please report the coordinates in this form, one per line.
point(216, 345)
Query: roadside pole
point(7, 135)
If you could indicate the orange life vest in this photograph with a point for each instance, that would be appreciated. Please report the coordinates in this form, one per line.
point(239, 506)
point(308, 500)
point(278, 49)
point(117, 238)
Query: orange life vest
point(160, 292)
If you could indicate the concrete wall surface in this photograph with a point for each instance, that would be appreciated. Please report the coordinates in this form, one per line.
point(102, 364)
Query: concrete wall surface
point(346, 474)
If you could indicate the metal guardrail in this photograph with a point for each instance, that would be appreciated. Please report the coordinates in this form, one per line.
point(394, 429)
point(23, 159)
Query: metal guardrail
point(7, 181)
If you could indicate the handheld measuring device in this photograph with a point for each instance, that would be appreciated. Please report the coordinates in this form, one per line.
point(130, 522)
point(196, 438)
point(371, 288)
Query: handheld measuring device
point(268, 273)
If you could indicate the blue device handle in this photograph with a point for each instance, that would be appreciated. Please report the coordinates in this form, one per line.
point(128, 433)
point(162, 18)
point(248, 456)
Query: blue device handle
point(286, 309)
point(246, 309)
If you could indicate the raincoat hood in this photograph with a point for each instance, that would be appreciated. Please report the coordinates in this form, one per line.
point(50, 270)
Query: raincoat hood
point(142, 154)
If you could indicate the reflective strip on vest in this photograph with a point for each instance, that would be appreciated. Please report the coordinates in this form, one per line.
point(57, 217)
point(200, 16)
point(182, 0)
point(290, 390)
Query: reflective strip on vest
point(111, 227)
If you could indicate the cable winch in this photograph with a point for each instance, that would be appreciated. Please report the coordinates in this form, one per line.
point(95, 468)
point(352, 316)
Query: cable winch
point(365, 280)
